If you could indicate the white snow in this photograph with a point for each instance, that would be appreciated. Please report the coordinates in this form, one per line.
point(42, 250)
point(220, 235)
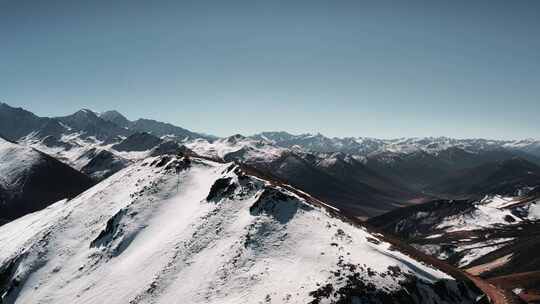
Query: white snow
point(488, 212)
point(486, 217)
point(79, 153)
point(15, 160)
point(534, 211)
point(478, 250)
point(169, 246)
point(74, 156)
point(254, 150)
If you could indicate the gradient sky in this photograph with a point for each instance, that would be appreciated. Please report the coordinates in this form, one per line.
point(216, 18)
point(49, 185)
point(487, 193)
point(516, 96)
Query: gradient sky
point(342, 68)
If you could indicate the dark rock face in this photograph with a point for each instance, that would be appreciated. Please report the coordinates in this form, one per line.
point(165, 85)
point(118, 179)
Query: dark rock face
point(178, 165)
point(153, 127)
point(51, 128)
point(90, 124)
point(138, 142)
point(280, 206)
point(114, 238)
point(16, 122)
point(414, 290)
point(8, 282)
point(221, 187)
point(116, 118)
point(104, 164)
point(171, 148)
point(106, 235)
point(161, 161)
point(236, 156)
point(159, 129)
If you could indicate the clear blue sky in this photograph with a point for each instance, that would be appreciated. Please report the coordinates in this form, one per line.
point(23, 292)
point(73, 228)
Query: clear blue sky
point(342, 68)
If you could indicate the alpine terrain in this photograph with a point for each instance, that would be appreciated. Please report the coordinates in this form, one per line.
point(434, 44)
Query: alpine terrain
point(186, 229)
point(98, 208)
point(30, 180)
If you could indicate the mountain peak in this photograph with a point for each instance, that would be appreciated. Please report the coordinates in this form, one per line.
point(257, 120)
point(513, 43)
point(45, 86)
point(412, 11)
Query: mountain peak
point(115, 117)
point(85, 113)
point(111, 113)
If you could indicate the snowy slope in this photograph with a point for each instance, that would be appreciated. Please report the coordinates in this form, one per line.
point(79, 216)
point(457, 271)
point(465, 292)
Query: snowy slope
point(83, 152)
point(71, 148)
point(491, 211)
point(31, 180)
point(211, 234)
point(96, 157)
point(496, 237)
point(466, 232)
point(237, 147)
point(78, 138)
point(15, 161)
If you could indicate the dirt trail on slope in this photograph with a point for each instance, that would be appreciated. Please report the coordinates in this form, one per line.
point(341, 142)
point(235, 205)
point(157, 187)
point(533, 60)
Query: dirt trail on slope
point(497, 296)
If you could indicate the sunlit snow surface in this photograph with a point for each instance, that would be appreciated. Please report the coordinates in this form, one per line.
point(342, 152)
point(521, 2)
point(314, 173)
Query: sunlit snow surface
point(488, 212)
point(247, 149)
point(146, 235)
point(484, 216)
point(74, 156)
point(14, 161)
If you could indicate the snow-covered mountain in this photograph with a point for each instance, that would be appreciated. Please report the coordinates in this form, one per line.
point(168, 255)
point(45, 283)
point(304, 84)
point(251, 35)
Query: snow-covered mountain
point(496, 237)
point(17, 123)
point(116, 118)
point(237, 147)
point(416, 163)
point(364, 146)
point(86, 123)
point(88, 141)
point(379, 182)
point(339, 178)
point(31, 180)
point(80, 151)
point(365, 176)
point(320, 143)
point(170, 229)
point(156, 128)
point(234, 218)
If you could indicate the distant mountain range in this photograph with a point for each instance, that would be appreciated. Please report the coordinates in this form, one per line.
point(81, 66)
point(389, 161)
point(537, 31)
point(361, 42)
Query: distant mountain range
point(112, 196)
point(363, 176)
point(17, 123)
point(368, 146)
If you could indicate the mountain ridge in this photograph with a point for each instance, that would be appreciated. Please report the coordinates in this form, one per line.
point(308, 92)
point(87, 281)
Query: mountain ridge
point(367, 175)
point(220, 235)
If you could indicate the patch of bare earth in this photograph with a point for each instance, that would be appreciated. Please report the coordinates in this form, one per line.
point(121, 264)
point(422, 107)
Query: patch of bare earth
point(527, 283)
